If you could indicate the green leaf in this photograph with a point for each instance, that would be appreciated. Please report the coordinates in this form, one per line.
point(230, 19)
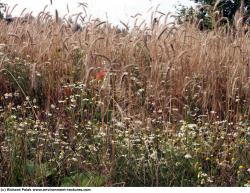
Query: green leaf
point(41, 171)
point(83, 180)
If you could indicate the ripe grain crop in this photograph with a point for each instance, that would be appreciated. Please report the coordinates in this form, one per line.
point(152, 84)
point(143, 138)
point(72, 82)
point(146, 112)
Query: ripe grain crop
point(168, 104)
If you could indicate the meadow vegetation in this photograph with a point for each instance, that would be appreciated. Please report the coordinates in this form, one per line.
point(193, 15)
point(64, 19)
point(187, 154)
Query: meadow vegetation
point(158, 105)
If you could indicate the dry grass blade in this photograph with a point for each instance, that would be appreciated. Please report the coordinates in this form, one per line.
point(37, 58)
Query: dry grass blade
point(216, 4)
point(56, 16)
point(125, 25)
point(67, 7)
point(162, 32)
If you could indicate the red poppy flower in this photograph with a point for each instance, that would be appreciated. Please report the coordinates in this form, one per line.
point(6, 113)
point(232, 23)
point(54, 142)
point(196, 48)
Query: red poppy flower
point(100, 75)
point(67, 91)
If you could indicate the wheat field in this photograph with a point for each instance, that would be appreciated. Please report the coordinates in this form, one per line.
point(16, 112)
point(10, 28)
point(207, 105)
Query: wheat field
point(140, 105)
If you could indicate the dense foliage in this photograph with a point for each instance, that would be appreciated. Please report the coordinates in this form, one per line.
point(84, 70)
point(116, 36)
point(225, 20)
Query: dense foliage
point(228, 8)
point(208, 12)
point(2, 5)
